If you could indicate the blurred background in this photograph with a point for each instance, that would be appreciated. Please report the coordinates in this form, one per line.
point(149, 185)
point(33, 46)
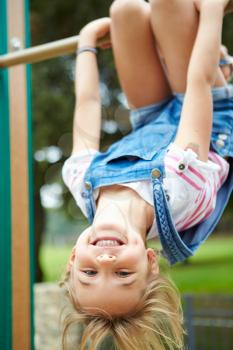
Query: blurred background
point(204, 280)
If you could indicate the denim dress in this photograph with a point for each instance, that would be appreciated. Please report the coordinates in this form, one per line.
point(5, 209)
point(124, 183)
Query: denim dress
point(140, 156)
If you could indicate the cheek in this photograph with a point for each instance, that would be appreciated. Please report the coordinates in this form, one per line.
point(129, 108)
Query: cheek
point(136, 256)
point(82, 243)
point(82, 257)
point(84, 237)
point(85, 258)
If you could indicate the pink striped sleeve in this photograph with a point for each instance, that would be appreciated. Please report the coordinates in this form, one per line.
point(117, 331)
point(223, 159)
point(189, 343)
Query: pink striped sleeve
point(204, 209)
point(224, 168)
point(191, 175)
point(185, 177)
point(192, 185)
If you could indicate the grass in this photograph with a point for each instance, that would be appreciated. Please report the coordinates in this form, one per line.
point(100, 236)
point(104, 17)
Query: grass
point(53, 260)
point(209, 271)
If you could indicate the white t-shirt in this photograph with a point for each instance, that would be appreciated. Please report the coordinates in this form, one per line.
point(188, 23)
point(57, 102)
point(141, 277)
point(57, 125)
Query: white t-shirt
point(191, 185)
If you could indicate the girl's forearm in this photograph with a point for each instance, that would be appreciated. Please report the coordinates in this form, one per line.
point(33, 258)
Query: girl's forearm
point(87, 75)
point(205, 56)
point(87, 115)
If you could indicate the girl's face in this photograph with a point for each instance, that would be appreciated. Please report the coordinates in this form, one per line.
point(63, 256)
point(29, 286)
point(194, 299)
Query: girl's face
point(110, 270)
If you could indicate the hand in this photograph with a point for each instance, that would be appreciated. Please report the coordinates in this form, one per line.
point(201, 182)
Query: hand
point(95, 31)
point(226, 69)
point(223, 51)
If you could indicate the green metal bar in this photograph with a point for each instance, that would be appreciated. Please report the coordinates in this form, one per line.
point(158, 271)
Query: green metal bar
point(44, 52)
point(30, 173)
point(5, 197)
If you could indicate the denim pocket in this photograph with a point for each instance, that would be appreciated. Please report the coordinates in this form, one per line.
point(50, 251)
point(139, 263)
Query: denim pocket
point(143, 143)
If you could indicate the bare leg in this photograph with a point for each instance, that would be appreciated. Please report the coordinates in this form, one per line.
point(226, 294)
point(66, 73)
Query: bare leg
point(196, 119)
point(175, 24)
point(138, 65)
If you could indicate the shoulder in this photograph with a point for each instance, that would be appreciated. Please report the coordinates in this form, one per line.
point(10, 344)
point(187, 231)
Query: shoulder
point(75, 166)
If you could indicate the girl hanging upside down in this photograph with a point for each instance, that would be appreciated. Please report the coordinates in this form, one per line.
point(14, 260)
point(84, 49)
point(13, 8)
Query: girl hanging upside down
point(170, 177)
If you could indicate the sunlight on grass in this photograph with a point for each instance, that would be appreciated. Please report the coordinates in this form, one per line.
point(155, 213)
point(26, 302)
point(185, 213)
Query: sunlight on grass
point(210, 270)
point(53, 261)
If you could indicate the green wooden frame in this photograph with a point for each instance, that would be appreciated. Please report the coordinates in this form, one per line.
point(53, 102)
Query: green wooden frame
point(6, 321)
point(30, 170)
point(5, 197)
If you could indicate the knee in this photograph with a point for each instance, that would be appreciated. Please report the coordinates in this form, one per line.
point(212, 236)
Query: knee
point(125, 8)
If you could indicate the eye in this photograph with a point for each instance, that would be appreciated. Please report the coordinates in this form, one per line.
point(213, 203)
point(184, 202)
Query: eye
point(123, 273)
point(90, 272)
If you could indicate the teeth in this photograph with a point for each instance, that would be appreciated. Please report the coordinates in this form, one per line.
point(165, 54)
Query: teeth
point(108, 243)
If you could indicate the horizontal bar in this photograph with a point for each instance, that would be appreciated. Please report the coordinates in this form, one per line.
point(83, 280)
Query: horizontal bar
point(43, 52)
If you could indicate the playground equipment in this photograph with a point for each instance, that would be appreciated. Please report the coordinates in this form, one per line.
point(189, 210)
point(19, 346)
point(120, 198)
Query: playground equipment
point(16, 221)
point(16, 197)
point(16, 213)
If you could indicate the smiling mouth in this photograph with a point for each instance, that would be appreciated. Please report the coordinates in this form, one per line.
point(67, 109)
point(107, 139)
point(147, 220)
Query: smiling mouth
point(107, 242)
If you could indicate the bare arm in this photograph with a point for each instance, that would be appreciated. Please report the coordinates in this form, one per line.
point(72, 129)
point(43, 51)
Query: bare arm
point(87, 113)
point(196, 118)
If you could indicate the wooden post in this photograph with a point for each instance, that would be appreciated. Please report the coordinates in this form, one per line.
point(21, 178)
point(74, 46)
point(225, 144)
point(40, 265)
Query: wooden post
point(17, 178)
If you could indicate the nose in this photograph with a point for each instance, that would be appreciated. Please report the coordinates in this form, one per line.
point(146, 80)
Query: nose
point(106, 258)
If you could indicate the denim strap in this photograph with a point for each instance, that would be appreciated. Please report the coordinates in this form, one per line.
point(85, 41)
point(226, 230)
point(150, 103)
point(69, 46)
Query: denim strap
point(173, 247)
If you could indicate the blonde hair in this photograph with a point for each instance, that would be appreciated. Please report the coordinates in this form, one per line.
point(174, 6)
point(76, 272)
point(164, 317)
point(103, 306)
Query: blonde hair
point(156, 323)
